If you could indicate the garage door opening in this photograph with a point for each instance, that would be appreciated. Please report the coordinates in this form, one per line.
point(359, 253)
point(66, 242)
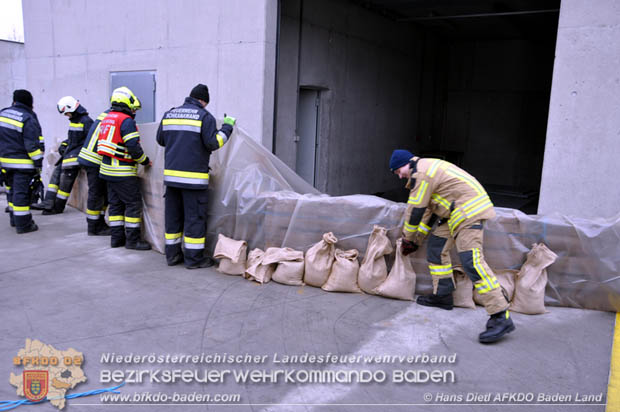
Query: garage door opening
point(466, 81)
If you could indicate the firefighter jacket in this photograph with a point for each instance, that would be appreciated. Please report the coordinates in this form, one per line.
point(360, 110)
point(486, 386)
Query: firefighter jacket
point(79, 124)
point(441, 189)
point(189, 134)
point(119, 146)
point(88, 156)
point(20, 139)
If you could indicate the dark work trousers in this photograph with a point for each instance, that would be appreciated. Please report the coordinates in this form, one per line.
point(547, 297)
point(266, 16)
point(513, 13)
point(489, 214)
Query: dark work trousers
point(67, 178)
point(186, 224)
point(52, 188)
point(97, 200)
point(125, 210)
point(19, 198)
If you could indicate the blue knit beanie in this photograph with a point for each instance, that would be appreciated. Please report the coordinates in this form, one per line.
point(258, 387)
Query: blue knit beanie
point(399, 159)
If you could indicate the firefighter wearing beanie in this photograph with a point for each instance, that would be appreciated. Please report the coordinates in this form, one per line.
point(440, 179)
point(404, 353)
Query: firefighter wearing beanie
point(189, 135)
point(451, 205)
point(21, 156)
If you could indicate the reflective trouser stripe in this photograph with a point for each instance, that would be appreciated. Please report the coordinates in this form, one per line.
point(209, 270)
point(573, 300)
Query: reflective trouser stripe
point(173, 238)
point(194, 243)
point(440, 270)
point(488, 282)
point(93, 214)
point(21, 210)
point(132, 222)
point(52, 188)
point(117, 220)
point(62, 195)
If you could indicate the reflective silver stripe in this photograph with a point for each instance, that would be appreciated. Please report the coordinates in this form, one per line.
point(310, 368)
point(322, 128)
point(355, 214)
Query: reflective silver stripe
point(186, 180)
point(37, 157)
point(11, 126)
point(181, 127)
point(76, 128)
point(92, 217)
point(117, 223)
point(21, 213)
point(223, 136)
point(194, 245)
point(61, 196)
point(70, 164)
point(17, 165)
point(129, 224)
point(173, 241)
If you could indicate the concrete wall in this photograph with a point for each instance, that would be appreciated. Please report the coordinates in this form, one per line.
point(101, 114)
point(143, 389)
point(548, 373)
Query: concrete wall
point(12, 70)
point(583, 135)
point(73, 45)
point(369, 71)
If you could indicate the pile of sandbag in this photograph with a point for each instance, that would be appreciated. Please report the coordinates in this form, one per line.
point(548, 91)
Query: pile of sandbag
point(324, 266)
point(336, 270)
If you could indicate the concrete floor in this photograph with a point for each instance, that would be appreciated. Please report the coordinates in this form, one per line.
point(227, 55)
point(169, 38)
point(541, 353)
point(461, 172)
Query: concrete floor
point(70, 290)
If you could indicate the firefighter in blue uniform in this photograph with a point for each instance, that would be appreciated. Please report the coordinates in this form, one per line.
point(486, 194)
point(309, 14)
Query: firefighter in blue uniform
point(97, 201)
point(79, 125)
point(21, 156)
point(189, 134)
point(119, 145)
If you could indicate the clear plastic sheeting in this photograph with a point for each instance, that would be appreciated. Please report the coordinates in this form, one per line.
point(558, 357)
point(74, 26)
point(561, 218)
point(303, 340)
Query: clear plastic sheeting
point(255, 197)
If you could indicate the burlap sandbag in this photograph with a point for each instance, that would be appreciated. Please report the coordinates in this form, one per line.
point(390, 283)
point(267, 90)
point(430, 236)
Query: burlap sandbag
point(232, 255)
point(256, 270)
point(373, 270)
point(343, 276)
point(529, 296)
point(400, 283)
point(463, 294)
point(506, 278)
point(319, 261)
point(290, 269)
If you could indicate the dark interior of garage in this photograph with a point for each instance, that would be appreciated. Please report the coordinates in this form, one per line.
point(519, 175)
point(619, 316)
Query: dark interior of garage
point(466, 81)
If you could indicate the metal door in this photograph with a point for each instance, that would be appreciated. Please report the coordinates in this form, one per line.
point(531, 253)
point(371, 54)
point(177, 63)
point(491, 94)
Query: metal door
point(142, 84)
point(307, 139)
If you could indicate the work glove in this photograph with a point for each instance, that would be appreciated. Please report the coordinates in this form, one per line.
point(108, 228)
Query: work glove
point(229, 120)
point(408, 246)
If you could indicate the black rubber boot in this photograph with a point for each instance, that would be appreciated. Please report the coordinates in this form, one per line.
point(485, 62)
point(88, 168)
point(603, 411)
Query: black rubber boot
point(47, 212)
point(206, 263)
point(138, 245)
point(440, 301)
point(117, 242)
point(498, 325)
point(31, 228)
point(175, 260)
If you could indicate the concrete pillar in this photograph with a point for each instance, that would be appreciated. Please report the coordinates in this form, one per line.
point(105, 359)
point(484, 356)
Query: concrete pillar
point(583, 134)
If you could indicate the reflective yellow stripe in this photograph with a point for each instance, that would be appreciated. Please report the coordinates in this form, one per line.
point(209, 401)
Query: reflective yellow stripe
point(11, 121)
point(419, 195)
point(171, 236)
point(21, 208)
point(424, 228)
point(102, 116)
point(194, 240)
point(141, 158)
point(117, 218)
point(133, 219)
point(35, 153)
point(220, 141)
point(184, 122)
point(130, 136)
point(411, 228)
point(52, 186)
point(192, 175)
point(76, 126)
point(440, 270)
point(41, 139)
point(69, 160)
point(16, 161)
point(433, 169)
point(489, 282)
point(93, 212)
point(60, 192)
point(466, 179)
point(442, 201)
